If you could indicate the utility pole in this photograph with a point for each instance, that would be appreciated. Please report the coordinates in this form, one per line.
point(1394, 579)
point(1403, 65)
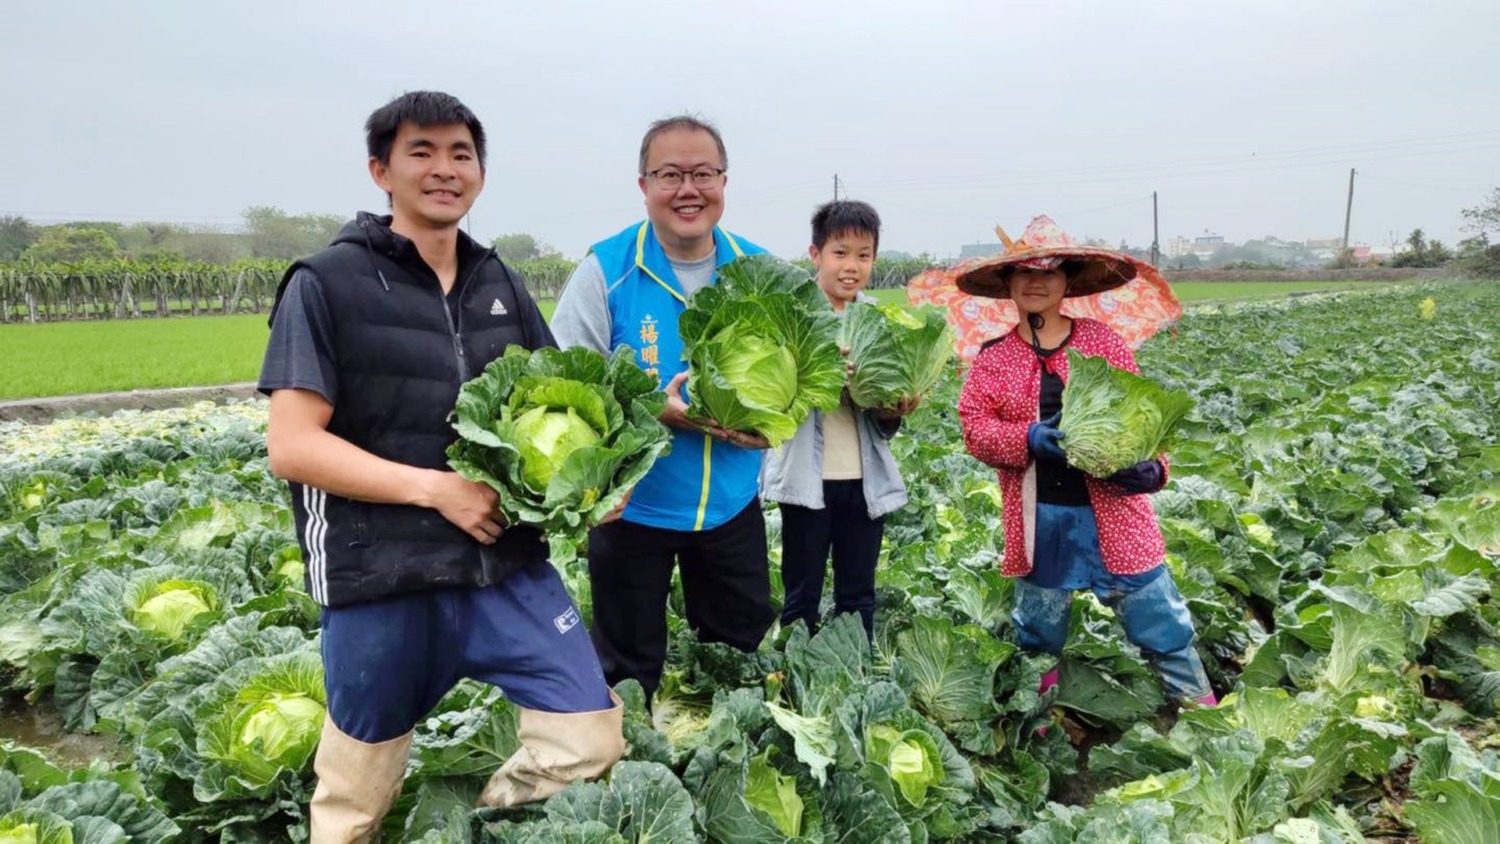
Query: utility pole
point(1155, 234)
point(835, 187)
point(1348, 210)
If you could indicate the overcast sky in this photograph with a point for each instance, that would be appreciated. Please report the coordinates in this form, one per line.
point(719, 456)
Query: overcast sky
point(1245, 116)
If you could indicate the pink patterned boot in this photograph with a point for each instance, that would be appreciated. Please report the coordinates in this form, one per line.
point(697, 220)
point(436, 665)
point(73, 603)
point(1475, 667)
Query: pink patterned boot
point(1049, 682)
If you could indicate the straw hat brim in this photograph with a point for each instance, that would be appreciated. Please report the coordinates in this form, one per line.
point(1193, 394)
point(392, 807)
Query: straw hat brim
point(1102, 270)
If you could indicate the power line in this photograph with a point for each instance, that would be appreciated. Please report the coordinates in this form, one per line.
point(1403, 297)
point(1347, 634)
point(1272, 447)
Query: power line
point(1345, 150)
point(1470, 188)
point(1063, 179)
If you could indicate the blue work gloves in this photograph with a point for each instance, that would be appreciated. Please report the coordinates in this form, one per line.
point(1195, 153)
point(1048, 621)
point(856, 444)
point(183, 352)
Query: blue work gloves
point(1044, 441)
point(1145, 476)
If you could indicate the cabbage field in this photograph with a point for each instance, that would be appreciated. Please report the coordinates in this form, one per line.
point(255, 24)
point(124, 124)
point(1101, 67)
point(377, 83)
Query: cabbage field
point(1333, 521)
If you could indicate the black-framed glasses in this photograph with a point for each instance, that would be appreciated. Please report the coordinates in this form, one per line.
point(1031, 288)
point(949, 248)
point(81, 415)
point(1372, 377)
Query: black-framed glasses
point(670, 178)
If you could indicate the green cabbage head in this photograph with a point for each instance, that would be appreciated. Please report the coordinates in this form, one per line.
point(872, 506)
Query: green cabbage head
point(281, 722)
point(762, 349)
point(911, 758)
point(29, 826)
point(263, 717)
point(546, 437)
point(19, 833)
point(774, 793)
point(167, 608)
point(561, 435)
point(897, 354)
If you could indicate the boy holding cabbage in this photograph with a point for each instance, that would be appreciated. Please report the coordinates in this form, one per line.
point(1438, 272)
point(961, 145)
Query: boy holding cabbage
point(836, 479)
point(1066, 530)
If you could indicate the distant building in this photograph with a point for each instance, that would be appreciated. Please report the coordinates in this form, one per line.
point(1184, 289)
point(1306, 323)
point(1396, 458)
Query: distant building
point(1324, 248)
point(1204, 246)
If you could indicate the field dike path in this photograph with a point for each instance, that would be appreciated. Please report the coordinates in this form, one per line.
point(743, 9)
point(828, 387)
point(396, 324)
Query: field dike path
point(46, 409)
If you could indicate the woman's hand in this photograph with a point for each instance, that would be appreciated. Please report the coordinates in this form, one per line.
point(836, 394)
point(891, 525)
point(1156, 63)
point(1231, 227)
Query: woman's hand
point(1044, 441)
point(1145, 476)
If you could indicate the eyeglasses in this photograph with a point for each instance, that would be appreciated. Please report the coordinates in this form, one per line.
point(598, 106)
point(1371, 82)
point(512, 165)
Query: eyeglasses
point(671, 179)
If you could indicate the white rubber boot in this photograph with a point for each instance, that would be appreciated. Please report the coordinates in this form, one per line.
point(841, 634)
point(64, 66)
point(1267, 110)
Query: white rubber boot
point(357, 783)
point(557, 748)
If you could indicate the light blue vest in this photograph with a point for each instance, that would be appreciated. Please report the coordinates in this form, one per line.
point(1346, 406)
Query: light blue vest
point(703, 482)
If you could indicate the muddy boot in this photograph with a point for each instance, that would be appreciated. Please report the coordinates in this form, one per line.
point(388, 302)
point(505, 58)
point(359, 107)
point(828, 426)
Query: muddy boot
point(557, 748)
point(357, 783)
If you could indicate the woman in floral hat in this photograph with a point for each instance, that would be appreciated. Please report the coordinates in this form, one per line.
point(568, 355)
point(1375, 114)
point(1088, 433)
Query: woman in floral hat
point(1065, 530)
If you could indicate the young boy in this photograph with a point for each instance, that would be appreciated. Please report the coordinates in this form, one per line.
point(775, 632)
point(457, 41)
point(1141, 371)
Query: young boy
point(836, 479)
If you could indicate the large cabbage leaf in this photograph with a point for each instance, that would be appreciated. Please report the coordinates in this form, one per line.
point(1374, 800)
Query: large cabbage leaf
point(752, 802)
point(897, 354)
point(762, 349)
point(1458, 791)
point(104, 811)
point(1114, 419)
point(562, 436)
point(642, 801)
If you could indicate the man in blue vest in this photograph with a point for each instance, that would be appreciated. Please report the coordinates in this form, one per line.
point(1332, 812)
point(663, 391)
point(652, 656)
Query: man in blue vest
point(420, 581)
point(698, 506)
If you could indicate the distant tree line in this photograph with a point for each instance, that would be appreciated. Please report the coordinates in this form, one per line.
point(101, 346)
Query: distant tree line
point(103, 269)
point(266, 232)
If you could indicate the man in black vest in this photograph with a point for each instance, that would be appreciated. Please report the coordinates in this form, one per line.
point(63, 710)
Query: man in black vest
point(420, 582)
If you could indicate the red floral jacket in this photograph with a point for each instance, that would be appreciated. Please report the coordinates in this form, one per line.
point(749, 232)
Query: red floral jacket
point(998, 404)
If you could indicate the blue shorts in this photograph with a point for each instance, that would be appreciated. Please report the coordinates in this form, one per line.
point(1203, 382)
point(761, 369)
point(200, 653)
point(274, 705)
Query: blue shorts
point(387, 663)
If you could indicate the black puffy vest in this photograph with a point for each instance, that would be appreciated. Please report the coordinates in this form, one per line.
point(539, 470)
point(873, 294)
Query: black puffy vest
point(402, 356)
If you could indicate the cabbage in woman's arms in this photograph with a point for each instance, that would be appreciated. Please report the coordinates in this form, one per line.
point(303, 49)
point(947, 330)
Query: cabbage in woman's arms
point(1114, 419)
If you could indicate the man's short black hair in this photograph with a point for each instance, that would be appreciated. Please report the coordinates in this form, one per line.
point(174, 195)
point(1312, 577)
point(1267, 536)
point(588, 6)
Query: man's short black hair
point(423, 108)
point(681, 123)
point(844, 216)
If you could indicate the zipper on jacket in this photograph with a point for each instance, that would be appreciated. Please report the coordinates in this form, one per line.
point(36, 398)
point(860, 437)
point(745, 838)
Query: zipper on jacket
point(458, 343)
point(455, 330)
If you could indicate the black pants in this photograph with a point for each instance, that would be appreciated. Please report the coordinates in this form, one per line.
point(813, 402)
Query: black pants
point(726, 586)
point(844, 527)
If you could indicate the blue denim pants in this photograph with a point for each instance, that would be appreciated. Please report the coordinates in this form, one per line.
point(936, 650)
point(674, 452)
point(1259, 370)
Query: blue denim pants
point(1066, 558)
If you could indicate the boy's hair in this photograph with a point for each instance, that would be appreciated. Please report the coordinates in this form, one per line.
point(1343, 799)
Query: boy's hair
point(681, 123)
point(423, 108)
point(844, 216)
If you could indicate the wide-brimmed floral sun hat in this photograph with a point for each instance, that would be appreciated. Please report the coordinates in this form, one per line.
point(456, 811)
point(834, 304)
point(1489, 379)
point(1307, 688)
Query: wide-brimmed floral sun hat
point(1045, 246)
point(976, 293)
